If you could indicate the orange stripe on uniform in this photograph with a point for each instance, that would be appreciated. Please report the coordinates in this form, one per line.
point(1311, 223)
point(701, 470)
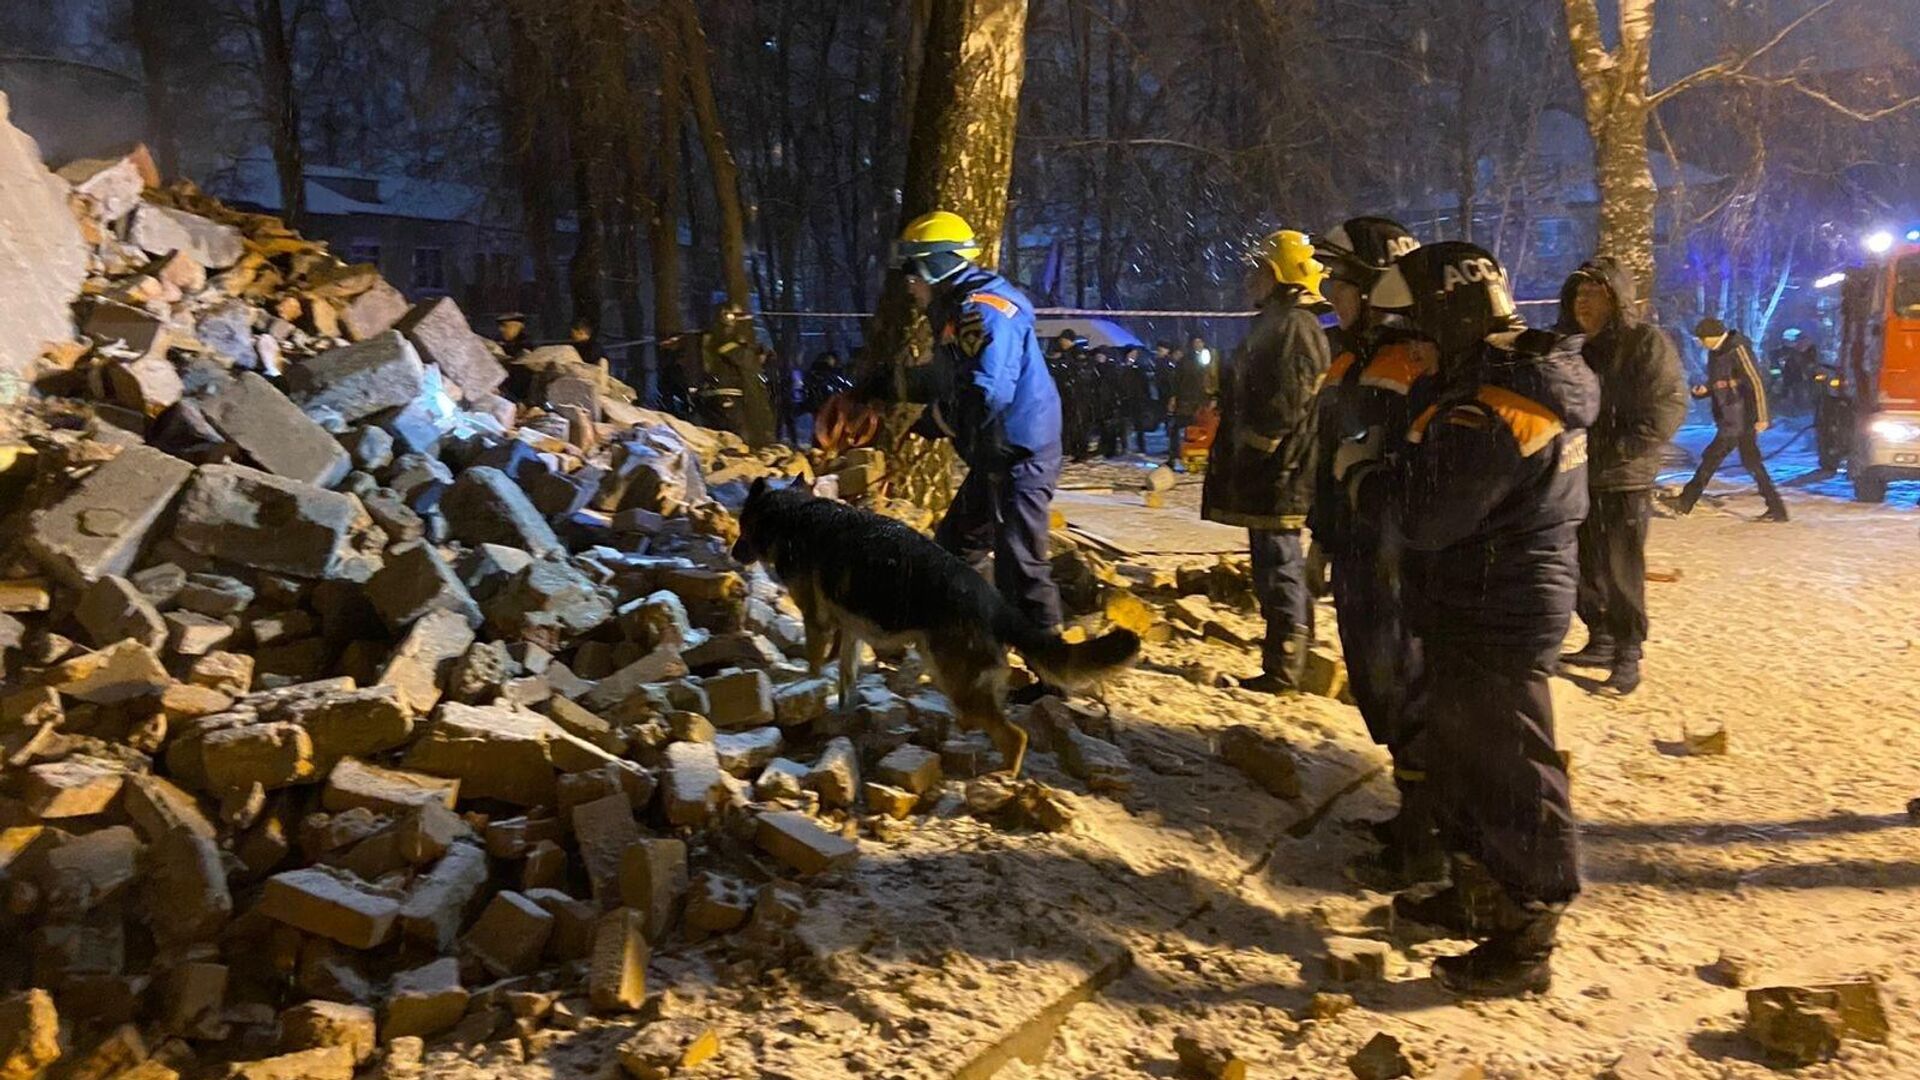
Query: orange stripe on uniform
point(999, 303)
point(1419, 429)
point(1534, 425)
point(1338, 369)
point(1396, 368)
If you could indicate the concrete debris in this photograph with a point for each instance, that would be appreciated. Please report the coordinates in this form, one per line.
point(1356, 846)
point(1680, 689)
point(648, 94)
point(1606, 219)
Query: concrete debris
point(1801, 1025)
point(1205, 1058)
point(1381, 1059)
point(348, 704)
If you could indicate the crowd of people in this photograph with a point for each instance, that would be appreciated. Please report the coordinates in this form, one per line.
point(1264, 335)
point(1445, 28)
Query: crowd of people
point(1472, 481)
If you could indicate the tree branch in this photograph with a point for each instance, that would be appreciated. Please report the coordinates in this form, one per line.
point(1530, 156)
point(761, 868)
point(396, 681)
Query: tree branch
point(1736, 67)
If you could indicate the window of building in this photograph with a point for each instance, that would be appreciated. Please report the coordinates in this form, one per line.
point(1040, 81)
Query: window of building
point(429, 268)
point(1554, 237)
point(1906, 289)
point(364, 251)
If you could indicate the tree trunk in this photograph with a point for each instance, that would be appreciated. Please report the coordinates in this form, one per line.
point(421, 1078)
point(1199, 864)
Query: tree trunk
point(530, 94)
point(726, 176)
point(149, 23)
point(966, 106)
point(1614, 86)
point(669, 314)
point(282, 100)
point(1627, 194)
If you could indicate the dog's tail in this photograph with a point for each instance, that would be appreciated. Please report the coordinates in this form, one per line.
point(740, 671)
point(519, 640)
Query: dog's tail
point(1070, 665)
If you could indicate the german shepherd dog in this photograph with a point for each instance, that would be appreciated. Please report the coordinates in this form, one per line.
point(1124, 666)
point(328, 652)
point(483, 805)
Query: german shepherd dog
point(860, 577)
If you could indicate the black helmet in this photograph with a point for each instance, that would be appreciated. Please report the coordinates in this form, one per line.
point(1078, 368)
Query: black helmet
point(1357, 250)
point(1454, 292)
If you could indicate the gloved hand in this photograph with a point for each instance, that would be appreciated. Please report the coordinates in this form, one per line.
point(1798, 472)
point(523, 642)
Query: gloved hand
point(1355, 451)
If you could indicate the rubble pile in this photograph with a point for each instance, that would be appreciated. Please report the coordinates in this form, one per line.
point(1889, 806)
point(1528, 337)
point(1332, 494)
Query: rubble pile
point(351, 705)
point(361, 692)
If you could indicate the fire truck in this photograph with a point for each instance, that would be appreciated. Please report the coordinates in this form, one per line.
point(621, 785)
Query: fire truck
point(1879, 369)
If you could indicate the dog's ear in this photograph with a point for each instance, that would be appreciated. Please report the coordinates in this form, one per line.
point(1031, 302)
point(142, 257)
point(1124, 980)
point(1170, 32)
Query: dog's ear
point(758, 489)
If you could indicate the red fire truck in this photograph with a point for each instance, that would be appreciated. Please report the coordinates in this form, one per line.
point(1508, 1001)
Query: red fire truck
point(1880, 367)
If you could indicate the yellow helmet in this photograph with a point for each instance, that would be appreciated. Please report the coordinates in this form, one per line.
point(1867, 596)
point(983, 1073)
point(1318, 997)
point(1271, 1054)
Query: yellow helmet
point(1289, 254)
point(936, 246)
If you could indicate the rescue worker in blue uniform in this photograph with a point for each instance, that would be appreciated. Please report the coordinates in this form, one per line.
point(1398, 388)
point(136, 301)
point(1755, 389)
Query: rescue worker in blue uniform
point(1493, 488)
point(1260, 474)
point(988, 389)
point(1372, 392)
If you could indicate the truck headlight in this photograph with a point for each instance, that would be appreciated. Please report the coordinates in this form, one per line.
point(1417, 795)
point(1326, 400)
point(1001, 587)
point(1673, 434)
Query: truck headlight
point(1898, 431)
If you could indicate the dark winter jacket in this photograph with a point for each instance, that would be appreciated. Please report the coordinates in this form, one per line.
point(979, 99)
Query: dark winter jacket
point(1735, 386)
point(1191, 387)
point(1643, 392)
point(988, 385)
point(1372, 386)
point(1494, 488)
point(1260, 474)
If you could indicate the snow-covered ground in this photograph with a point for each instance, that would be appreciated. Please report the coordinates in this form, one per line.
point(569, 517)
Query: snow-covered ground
point(1196, 900)
point(1793, 852)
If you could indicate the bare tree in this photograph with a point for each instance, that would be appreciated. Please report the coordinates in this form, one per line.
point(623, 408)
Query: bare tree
point(1620, 99)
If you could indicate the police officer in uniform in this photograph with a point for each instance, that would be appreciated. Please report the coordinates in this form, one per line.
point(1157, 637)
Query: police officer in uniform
point(1261, 472)
point(988, 389)
point(1492, 492)
point(1372, 392)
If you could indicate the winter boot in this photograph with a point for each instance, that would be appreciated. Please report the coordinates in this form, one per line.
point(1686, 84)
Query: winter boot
point(1518, 959)
point(1471, 905)
point(1626, 672)
point(1597, 652)
point(1410, 854)
point(1285, 671)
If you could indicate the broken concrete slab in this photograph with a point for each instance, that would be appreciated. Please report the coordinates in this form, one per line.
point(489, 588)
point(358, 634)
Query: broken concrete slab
point(76, 787)
point(111, 609)
point(157, 807)
point(800, 842)
point(161, 230)
point(434, 911)
point(352, 383)
point(549, 603)
point(29, 1023)
point(330, 905)
point(653, 879)
point(484, 506)
point(439, 330)
point(604, 830)
point(120, 672)
point(510, 934)
point(252, 414)
point(272, 755)
point(617, 964)
point(100, 526)
point(694, 784)
point(187, 896)
point(1801, 1025)
point(741, 699)
point(836, 775)
point(267, 522)
point(373, 312)
point(312, 1025)
point(418, 667)
point(414, 580)
point(425, 1001)
point(495, 753)
point(43, 259)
